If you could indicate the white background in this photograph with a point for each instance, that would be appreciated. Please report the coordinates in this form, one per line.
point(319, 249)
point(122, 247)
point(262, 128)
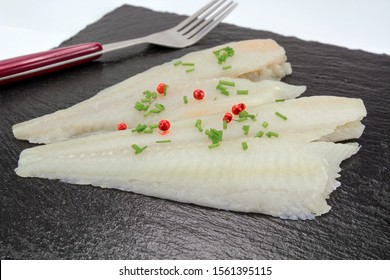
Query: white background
point(28, 26)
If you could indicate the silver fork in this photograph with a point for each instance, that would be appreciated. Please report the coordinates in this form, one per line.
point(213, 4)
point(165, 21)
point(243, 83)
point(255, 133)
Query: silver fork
point(185, 34)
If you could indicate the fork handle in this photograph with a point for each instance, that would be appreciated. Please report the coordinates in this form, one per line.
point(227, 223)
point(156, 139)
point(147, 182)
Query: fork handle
point(31, 65)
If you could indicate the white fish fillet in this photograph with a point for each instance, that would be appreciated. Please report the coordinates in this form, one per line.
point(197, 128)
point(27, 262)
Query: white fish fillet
point(253, 59)
point(104, 115)
point(285, 179)
point(323, 118)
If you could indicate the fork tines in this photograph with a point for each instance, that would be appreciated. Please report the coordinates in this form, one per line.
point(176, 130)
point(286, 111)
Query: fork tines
point(204, 20)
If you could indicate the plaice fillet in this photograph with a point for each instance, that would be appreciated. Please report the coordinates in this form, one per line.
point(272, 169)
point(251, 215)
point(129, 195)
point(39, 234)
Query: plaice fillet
point(316, 118)
point(254, 60)
point(105, 115)
point(285, 179)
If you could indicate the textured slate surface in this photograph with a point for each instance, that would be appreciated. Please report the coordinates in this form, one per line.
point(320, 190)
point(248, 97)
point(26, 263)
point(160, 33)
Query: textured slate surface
point(42, 219)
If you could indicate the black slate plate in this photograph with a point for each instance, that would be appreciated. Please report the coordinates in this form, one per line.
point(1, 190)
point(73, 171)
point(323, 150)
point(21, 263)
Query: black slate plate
point(43, 219)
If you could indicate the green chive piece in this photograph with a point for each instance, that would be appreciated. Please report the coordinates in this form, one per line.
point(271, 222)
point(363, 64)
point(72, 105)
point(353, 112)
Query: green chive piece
point(264, 124)
point(214, 135)
point(138, 149)
point(214, 145)
point(163, 141)
point(242, 91)
point(190, 70)
point(154, 95)
point(246, 128)
point(244, 146)
point(177, 63)
point(243, 119)
point(153, 126)
point(223, 54)
point(156, 111)
point(147, 113)
point(145, 100)
point(188, 64)
point(259, 134)
point(219, 135)
point(159, 106)
point(280, 115)
point(226, 67)
point(198, 125)
point(243, 114)
point(280, 100)
point(224, 124)
point(220, 87)
point(272, 134)
point(165, 89)
point(185, 99)
point(139, 106)
point(141, 127)
point(227, 83)
point(148, 130)
point(224, 92)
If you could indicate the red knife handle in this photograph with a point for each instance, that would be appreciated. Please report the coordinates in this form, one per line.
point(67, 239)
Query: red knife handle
point(31, 65)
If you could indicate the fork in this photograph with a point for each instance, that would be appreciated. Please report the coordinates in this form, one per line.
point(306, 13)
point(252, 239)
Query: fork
point(185, 34)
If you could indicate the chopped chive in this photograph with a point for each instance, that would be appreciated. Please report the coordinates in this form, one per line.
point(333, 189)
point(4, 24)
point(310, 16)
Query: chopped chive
point(224, 92)
point(147, 113)
point(214, 145)
point(188, 64)
point(280, 115)
point(185, 99)
point(220, 87)
point(226, 67)
point(190, 70)
point(148, 130)
point(223, 54)
point(264, 124)
point(224, 124)
point(145, 100)
point(147, 92)
point(227, 83)
point(141, 127)
point(165, 89)
point(244, 146)
point(272, 134)
point(154, 95)
point(259, 134)
point(138, 149)
point(177, 63)
point(156, 111)
point(198, 125)
point(159, 106)
point(153, 126)
point(279, 100)
point(243, 114)
point(246, 128)
point(242, 91)
point(219, 135)
point(139, 106)
point(164, 141)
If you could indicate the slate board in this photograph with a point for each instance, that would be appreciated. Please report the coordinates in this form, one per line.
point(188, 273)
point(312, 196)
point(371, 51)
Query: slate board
point(43, 219)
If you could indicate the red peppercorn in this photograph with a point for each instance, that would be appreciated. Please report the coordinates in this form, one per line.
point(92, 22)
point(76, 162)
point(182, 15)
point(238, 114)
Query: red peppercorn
point(227, 117)
point(238, 108)
point(242, 105)
point(198, 94)
point(164, 125)
point(122, 126)
point(160, 88)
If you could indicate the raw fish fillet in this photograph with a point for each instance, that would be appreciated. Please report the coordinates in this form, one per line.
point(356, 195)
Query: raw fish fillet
point(253, 59)
point(286, 179)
